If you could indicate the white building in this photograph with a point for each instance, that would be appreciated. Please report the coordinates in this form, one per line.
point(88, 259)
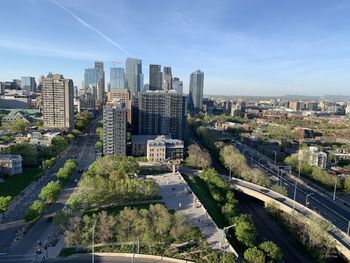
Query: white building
point(313, 156)
point(162, 148)
point(10, 164)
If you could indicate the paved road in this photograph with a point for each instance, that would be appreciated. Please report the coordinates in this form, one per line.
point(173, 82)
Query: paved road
point(319, 201)
point(84, 150)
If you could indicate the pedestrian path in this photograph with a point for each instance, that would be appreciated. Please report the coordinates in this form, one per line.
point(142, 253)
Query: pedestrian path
point(178, 196)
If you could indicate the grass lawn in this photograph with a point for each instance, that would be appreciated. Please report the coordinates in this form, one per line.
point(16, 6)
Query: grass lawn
point(67, 251)
point(198, 186)
point(14, 184)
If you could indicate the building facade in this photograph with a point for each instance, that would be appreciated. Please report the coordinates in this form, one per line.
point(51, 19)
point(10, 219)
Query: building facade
point(164, 149)
point(177, 85)
point(155, 77)
point(122, 95)
point(117, 79)
point(160, 112)
point(196, 91)
point(167, 79)
point(57, 99)
point(10, 164)
point(28, 84)
point(133, 75)
point(95, 77)
point(114, 129)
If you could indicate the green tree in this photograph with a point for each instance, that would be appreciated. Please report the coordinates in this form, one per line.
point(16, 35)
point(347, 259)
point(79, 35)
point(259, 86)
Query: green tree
point(198, 157)
point(4, 204)
point(245, 231)
point(99, 145)
point(280, 189)
point(59, 143)
point(47, 164)
point(19, 125)
point(35, 210)
point(254, 255)
point(271, 250)
point(50, 192)
point(28, 152)
point(347, 184)
point(61, 218)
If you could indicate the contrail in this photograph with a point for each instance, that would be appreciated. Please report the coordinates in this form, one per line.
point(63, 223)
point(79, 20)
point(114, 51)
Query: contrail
point(81, 21)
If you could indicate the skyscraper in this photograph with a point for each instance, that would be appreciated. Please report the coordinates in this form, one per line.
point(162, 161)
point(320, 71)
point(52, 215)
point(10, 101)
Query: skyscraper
point(167, 78)
point(196, 91)
point(177, 85)
point(161, 113)
point(114, 129)
point(101, 83)
point(117, 79)
point(57, 99)
point(155, 77)
point(28, 84)
point(133, 75)
point(96, 77)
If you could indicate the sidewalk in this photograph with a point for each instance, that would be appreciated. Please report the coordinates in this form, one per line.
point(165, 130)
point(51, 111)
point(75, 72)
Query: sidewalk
point(177, 195)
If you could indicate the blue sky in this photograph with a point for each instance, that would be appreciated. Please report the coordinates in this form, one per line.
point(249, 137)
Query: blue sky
point(245, 47)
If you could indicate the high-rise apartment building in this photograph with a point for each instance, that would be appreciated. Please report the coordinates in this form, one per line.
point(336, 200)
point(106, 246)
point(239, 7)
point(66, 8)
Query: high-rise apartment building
point(177, 85)
point(117, 79)
point(167, 78)
point(133, 75)
point(196, 91)
point(96, 77)
point(114, 129)
point(296, 105)
point(57, 100)
point(155, 77)
point(124, 96)
point(28, 84)
point(160, 113)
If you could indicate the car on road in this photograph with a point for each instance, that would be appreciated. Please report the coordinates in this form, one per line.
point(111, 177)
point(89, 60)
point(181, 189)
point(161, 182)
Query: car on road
point(75, 180)
point(49, 219)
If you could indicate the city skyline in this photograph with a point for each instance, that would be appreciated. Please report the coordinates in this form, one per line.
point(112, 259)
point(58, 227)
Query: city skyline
point(252, 48)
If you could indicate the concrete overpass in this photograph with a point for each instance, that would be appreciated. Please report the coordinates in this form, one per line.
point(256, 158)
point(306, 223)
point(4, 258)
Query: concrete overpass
point(342, 240)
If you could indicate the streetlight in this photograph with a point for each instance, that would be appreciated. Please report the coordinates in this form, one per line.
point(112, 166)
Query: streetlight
point(307, 196)
point(93, 243)
point(275, 157)
point(223, 237)
point(295, 194)
point(335, 189)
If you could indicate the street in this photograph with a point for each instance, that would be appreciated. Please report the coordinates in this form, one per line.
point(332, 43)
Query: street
point(84, 150)
point(319, 201)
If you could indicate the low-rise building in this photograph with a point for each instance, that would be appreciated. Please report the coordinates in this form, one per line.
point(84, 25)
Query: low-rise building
point(10, 164)
point(314, 156)
point(163, 149)
point(139, 144)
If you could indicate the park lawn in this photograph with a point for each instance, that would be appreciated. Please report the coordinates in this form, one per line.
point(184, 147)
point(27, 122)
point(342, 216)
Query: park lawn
point(199, 188)
point(14, 184)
